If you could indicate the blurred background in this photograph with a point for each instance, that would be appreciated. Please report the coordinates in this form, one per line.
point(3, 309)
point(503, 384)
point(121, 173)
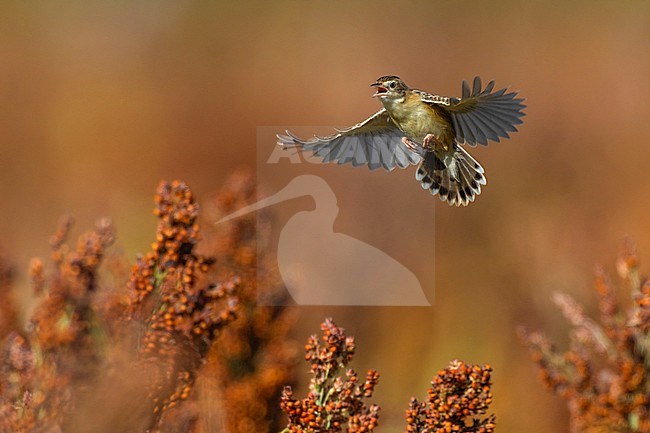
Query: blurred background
point(100, 101)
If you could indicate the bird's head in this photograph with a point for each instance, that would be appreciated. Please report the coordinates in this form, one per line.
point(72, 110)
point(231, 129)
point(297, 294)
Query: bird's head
point(389, 87)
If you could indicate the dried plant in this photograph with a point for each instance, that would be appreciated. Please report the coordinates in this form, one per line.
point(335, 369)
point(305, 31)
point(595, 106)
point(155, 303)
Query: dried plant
point(182, 313)
point(74, 368)
point(334, 403)
point(459, 398)
point(458, 401)
point(254, 357)
point(605, 374)
point(43, 367)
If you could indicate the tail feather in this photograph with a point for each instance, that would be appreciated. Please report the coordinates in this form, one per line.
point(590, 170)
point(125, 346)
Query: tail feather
point(457, 180)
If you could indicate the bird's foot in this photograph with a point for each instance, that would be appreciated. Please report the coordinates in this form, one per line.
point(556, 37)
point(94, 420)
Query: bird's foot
point(410, 144)
point(431, 142)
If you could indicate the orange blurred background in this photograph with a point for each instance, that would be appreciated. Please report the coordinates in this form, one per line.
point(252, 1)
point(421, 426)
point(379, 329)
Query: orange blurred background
point(100, 101)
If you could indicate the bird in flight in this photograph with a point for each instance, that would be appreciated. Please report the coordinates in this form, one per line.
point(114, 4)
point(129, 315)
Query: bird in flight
point(415, 127)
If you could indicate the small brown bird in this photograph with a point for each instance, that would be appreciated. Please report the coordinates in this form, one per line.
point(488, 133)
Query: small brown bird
point(416, 127)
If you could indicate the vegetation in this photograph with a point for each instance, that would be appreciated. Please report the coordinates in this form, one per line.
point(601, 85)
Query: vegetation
point(180, 344)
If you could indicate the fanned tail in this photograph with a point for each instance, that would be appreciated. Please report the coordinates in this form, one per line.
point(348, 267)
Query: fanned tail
point(456, 178)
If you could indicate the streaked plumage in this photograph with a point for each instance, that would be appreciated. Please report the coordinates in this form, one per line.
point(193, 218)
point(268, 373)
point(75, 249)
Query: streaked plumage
point(416, 127)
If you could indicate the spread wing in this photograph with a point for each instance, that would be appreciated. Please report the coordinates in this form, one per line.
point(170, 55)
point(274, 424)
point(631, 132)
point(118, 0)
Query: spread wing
point(375, 142)
point(479, 115)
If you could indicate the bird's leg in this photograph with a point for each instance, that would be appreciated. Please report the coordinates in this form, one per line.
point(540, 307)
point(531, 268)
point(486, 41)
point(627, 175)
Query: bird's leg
point(432, 142)
point(410, 144)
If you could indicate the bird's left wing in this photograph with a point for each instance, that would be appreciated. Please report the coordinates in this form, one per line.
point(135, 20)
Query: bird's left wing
point(375, 142)
point(481, 115)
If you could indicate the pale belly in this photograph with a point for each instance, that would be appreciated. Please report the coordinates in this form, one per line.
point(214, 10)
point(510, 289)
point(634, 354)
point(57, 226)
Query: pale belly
point(419, 121)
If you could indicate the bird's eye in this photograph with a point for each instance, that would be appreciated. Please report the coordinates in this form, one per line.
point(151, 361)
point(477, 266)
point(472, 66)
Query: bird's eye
point(392, 85)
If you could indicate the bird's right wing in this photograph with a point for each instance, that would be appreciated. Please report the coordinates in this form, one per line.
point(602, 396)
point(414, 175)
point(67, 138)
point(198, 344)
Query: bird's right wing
point(375, 142)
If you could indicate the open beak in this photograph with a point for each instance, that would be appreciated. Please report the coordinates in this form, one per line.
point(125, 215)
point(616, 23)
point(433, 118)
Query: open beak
point(380, 90)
